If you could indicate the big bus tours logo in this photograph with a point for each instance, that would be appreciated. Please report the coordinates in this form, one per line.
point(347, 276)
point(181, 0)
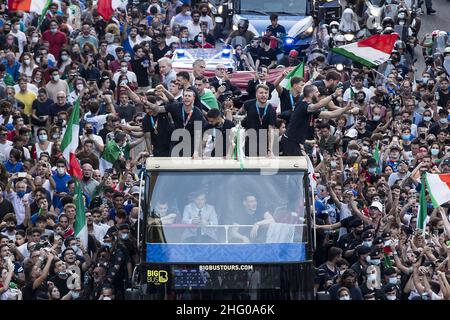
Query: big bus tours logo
point(157, 277)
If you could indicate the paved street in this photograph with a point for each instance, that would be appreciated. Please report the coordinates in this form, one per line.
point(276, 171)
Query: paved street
point(439, 21)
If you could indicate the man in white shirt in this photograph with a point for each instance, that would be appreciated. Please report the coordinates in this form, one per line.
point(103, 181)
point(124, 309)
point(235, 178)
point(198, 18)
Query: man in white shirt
point(166, 71)
point(5, 144)
point(194, 24)
point(21, 37)
point(89, 134)
point(205, 17)
point(19, 197)
point(201, 214)
point(124, 71)
point(359, 86)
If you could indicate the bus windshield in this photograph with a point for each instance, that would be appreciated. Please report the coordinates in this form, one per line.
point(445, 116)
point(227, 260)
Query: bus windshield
point(288, 7)
point(196, 216)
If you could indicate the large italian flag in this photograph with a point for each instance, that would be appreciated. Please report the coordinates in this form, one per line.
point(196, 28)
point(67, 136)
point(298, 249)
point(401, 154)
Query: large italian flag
point(37, 6)
point(80, 218)
point(370, 52)
point(69, 142)
point(106, 8)
point(438, 188)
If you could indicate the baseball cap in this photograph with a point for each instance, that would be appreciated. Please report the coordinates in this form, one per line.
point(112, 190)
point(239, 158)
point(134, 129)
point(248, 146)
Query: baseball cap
point(362, 250)
point(378, 205)
point(293, 53)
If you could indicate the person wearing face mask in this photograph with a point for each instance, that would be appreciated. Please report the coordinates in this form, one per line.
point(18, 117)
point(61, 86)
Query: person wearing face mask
point(391, 279)
point(55, 85)
point(27, 67)
point(120, 270)
point(371, 282)
point(124, 71)
point(346, 289)
point(56, 39)
point(442, 122)
point(61, 178)
point(128, 241)
point(390, 292)
point(60, 277)
point(18, 196)
point(43, 144)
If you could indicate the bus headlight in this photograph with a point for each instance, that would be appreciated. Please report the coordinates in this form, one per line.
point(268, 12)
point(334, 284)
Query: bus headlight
point(288, 41)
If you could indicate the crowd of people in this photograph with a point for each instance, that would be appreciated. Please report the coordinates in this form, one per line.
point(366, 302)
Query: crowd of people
point(370, 135)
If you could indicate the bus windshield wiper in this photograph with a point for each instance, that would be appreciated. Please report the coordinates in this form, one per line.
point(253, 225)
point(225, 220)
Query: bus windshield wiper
point(289, 13)
point(255, 11)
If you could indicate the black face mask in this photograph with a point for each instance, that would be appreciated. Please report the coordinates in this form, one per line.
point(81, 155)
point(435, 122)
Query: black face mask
point(89, 131)
point(358, 232)
point(360, 100)
point(10, 228)
point(422, 135)
point(204, 13)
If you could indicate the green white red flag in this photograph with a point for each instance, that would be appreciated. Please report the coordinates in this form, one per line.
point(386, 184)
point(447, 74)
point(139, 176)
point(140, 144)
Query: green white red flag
point(370, 52)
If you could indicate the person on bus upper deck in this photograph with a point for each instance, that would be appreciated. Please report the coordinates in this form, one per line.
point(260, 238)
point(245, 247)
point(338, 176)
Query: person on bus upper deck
point(200, 213)
point(249, 215)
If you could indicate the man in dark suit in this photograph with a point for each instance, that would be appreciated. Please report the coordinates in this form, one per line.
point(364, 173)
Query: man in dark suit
point(260, 78)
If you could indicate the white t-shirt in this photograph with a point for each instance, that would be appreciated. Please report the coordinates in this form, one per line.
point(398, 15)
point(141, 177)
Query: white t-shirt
point(194, 29)
point(97, 139)
point(171, 40)
point(96, 121)
point(130, 75)
point(21, 39)
point(367, 91)
point(4, 155)
point(209, 20)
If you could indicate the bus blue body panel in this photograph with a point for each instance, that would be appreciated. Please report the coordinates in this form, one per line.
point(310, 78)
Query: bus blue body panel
point(226, 253)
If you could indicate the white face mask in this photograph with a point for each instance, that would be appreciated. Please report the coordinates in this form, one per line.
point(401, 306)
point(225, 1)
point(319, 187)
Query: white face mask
point(80, 87)
point(61, 171)
point(375, 262)
point(426, 118)
point(376, 118)
point(368, 243)
point(27, 61)
point(56, 78)
point(391, 297)
point(64, 57)
point(124, 69)
point(393, 280)
point(371, 277)
point(75, 294)
point(43, 137)
point(333, 164)
point(344, 298)
point(34, 39)
point(127, 58)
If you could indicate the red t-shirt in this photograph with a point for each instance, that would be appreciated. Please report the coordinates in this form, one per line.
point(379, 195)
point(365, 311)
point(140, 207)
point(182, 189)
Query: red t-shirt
point(57, 41)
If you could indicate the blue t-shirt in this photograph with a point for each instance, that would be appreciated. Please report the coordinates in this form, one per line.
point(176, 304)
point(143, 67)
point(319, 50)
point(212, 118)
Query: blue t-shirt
point(13, 168)
point(61, 186)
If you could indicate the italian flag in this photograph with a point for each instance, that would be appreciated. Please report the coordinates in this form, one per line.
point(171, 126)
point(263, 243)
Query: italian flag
point(298, 71)
point(69, 142)
point(38, 6)
point(439, 188)
point(80, 217)
point(111, 154)
point(106, 8)
point(370, 52)
point(376, 156)
point(422, 213)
